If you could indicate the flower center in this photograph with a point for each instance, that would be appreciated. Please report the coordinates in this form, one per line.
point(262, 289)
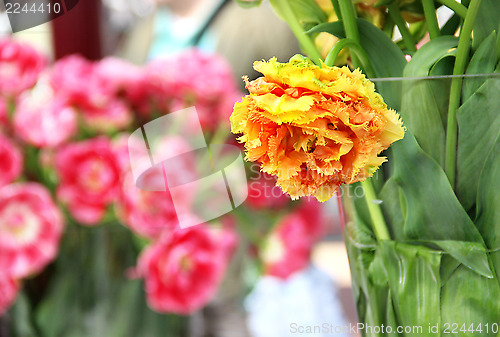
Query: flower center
point(186, 263)
point(96, 176)
point(18, 225)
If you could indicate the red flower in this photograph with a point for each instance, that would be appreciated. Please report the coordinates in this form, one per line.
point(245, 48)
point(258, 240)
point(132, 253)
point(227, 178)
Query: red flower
point(20, 66)
point(8, 293)
point(30, 229)
point(89, 174)
point(288, 249)
point(11, 161)
point(183, 270)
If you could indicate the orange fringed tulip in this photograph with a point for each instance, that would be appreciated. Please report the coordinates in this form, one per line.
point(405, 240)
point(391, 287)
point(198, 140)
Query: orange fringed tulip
point(314, 127)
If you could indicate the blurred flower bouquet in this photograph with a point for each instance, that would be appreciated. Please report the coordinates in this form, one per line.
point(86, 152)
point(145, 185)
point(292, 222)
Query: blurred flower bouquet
point(422, 232)
point(68, 265)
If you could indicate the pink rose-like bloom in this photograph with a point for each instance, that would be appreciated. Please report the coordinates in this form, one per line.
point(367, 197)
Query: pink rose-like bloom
point(11, 161)
point(72, 77)
point(113, 115)
point(44, 120)
point(123, 79)
point(183, 270)
point(30, 229)
point(288, 249)
point(145, 206)
point(20, 66)
point(147, 213)
point(95, 89)
point(195, 78)
point(9, 289)
point(89, 174)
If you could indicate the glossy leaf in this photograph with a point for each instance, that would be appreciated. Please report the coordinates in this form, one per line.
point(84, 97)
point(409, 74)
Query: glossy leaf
point(479, 126)
point(483, 61)
point(433, 211)
point(488, 199)
point(414, 279)
point(488, 20)
point(471, 254)
point(391, 206)
point(470, 298)
point(422, 107)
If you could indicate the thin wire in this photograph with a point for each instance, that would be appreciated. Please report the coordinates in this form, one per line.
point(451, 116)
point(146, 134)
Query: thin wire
point(433, 77)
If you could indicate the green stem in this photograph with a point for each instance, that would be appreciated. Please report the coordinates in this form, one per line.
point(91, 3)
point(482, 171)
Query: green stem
point(351, 30)
point(395, 14)
point(305, 41)
point(354, 47)
point(455, 6)
point(336, 8)
point(350, 25)
point(379, 226)
point(430, 18)
point(456, 89)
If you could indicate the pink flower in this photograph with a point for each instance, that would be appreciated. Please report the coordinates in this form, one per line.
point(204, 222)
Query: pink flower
point(123, 78)
point(144, 206)
point(20, 66)
point(95, 88)
point(8, 293)
point(112, 115)
point(147, 213)
point(89, 174)
point(288, 248)
point(264, 194)
point(72, 77)
point(43, 119)
point(30, 229)
point(183, 270)
point(195, 78)
point(11, 161)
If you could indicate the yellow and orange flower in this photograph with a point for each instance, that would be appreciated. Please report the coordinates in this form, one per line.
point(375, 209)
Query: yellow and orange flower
point(314, 127)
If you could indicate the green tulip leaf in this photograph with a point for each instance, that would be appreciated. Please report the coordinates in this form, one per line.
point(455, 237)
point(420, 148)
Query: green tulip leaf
point(488, 199)
point(468, 298)
point(413, 274)
point(487, 20)
point(423, 107)
point(392, 209)
point(433, 212)
point(479, 126)
point(471, 254)
point(483, 62)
